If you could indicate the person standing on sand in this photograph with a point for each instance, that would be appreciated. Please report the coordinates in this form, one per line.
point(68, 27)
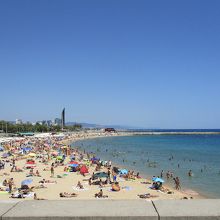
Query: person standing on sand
point(178, 183)
point(161, 174)
point(109, 175)
point(10, 184)
point(13, 165)
point(52, 170)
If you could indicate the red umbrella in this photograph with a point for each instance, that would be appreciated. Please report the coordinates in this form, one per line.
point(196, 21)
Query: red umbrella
point(73, 162)
point(83, 170)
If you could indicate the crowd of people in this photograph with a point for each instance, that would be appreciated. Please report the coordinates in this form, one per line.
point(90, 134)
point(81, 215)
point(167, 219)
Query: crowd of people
point(53, 154)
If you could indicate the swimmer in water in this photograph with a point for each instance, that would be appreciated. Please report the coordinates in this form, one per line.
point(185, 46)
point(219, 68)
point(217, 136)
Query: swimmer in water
point(190, 173)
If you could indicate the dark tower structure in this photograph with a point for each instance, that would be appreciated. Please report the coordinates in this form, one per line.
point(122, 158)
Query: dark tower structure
point(63, 119)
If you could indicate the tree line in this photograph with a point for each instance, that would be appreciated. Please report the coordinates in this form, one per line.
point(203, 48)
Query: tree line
point(8, 127)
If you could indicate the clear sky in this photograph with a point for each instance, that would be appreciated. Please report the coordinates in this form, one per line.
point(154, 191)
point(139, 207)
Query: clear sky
point(153, 64)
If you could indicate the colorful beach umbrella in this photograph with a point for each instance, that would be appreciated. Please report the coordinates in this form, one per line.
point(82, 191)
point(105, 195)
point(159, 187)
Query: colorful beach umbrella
point(157, 179)
point(27, 148)
point(26, 182)
point(123, 172)
point(73, 162)
point(73, 165)
point(84, 170)
point(100, 175)
point(59, 157)
point(5, 155)
point(55, 153)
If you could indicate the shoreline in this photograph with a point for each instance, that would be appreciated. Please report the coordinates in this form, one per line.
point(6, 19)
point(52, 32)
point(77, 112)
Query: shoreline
point(186, 191)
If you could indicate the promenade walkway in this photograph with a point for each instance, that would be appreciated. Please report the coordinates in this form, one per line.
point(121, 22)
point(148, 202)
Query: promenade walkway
point(101, 209)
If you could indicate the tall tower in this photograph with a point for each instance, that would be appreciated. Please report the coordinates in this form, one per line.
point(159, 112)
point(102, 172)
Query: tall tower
point(63, 119)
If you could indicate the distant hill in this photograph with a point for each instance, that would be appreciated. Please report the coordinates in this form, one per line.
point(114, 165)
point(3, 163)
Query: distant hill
point(84, 125)
point(90, 125)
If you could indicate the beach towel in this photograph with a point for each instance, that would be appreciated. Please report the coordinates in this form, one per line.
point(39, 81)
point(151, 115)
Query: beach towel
point(29, 195)
point(160, 191)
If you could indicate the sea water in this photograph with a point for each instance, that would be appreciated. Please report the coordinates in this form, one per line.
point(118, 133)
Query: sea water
point(150, 154)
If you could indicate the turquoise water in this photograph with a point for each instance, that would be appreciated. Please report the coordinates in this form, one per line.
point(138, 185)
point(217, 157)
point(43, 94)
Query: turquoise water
point(151, 154)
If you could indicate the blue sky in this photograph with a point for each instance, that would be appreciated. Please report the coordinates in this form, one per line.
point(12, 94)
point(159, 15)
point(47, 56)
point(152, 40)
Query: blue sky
point(153, 64)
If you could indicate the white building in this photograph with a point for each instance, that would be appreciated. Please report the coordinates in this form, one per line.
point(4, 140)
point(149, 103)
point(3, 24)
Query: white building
point(18, 121)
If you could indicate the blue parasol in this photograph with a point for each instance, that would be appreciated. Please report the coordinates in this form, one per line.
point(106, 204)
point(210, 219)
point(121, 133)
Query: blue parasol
point(157, 179)
point(5, 155)
point(73, 165)
point(26, 182)
point(123, 171)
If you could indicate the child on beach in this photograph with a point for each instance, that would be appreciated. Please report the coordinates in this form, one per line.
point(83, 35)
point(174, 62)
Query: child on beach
point(79, 185)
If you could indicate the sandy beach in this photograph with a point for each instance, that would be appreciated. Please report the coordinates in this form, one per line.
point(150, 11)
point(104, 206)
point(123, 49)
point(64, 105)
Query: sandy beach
point(64, 181)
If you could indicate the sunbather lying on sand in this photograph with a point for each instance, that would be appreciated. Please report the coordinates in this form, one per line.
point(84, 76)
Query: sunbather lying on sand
point(17, 195)
point(47, 181)
point(146, 182)
point(17, 169)
point(5, 174)
point(67, 195)
point(185, 197)
point(41, 186)
point(147, 195)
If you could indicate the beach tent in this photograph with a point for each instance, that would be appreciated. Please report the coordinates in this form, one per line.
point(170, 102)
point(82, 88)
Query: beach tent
point(83, 170)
